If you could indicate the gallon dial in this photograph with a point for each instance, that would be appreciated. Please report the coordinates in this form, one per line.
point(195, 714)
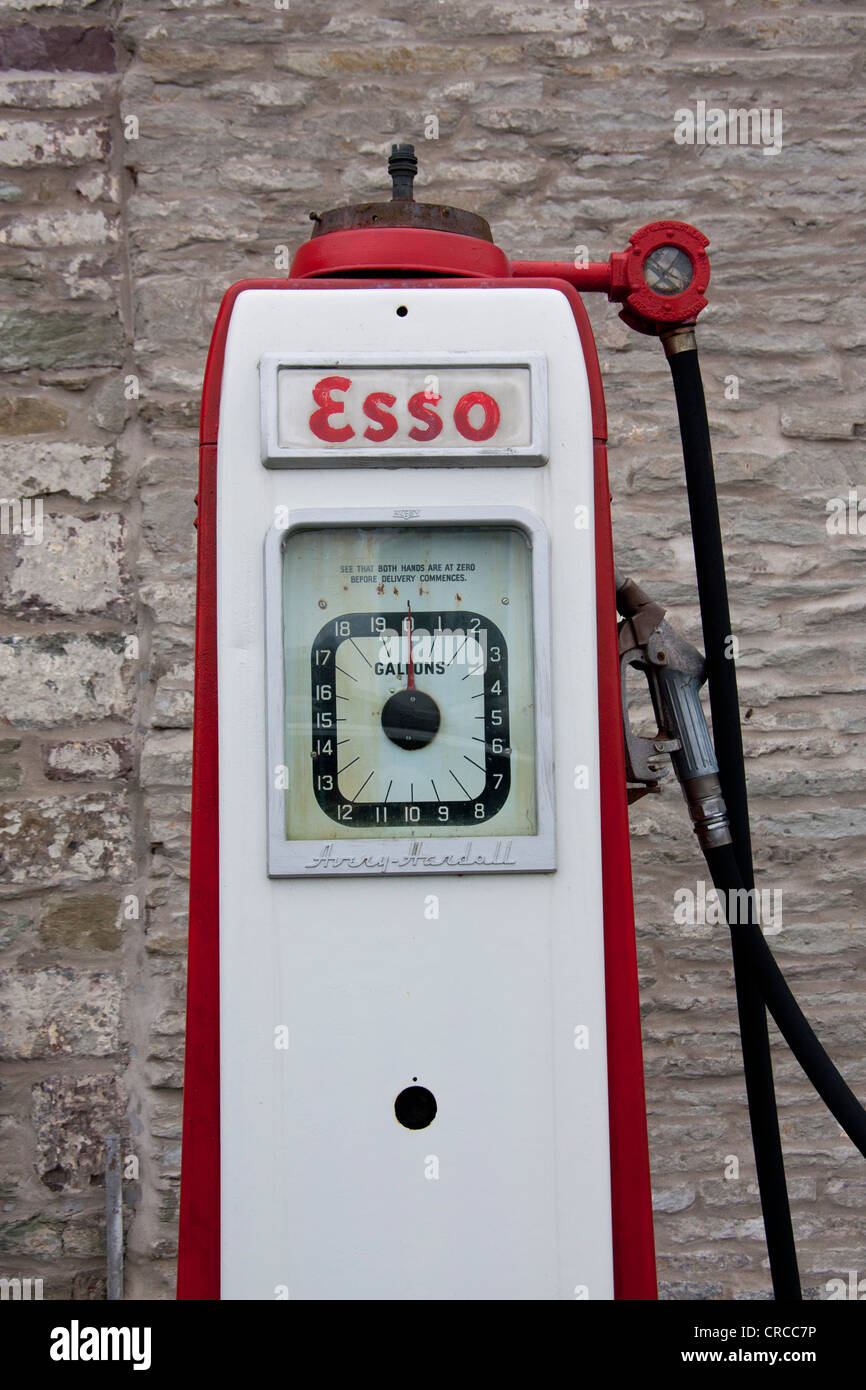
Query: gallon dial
point(409, 679)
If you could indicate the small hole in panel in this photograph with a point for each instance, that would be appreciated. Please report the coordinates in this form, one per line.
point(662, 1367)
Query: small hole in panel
point(402, 311)
point(415, 1107)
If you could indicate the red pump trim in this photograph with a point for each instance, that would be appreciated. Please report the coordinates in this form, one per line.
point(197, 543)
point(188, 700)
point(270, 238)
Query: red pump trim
point(631, 1196)
point(420, 250)
point(198, 1265)
point(198, 1258)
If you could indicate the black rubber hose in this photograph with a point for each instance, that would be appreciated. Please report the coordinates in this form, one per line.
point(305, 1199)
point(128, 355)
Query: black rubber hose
point(713, 596)
point(764, 1122)
point(731, 866)
point(790, 1019)
point(727, 736)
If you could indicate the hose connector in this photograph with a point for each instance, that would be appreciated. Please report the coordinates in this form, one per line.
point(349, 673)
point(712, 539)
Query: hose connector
point(681, 338)
point(708, 811)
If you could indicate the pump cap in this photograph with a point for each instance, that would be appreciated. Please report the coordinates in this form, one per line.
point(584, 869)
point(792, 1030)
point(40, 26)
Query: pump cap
point(402, 211)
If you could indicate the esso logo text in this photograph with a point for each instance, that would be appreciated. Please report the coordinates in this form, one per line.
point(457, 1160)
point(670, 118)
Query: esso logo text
point(431, 410)
point(476, 415)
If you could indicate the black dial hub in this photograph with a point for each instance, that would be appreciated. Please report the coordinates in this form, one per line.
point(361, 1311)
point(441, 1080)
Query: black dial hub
point(411, 718)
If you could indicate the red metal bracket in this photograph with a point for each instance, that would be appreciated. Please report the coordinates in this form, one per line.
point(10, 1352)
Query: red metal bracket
point(624, 281)
point(413, 251)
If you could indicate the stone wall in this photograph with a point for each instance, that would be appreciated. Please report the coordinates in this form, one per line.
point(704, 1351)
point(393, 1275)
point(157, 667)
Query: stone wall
point(154, 151)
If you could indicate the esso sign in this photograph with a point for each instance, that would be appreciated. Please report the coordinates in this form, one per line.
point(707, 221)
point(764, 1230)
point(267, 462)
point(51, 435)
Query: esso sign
point(476, 415)
point(380, 409)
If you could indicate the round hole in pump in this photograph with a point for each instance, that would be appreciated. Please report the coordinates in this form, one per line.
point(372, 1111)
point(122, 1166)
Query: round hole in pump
point(402, 311)
point(415, 1107)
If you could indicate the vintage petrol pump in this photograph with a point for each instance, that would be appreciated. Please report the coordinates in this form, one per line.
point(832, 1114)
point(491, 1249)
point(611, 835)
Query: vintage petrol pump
point(413, 1047)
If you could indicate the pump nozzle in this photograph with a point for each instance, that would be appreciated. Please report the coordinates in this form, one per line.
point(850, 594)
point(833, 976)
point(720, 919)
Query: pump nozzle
point(675, 672)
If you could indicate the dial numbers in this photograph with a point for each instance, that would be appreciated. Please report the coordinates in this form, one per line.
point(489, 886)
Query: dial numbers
point(405, 743)
point(378, 747)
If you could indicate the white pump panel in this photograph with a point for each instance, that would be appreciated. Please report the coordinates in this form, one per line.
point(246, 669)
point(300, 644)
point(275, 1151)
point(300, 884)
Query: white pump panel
point(376, 938)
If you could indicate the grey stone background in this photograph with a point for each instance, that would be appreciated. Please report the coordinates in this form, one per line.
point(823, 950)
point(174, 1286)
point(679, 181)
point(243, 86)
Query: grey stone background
point(153, 152)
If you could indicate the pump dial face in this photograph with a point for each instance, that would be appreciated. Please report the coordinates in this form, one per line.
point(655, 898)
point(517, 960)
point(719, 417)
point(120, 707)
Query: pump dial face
point(409, 682)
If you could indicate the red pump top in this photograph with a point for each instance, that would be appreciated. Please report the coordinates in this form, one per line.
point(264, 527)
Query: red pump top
point(659, 279)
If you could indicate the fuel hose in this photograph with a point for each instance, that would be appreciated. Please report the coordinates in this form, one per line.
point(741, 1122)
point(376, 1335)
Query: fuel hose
point(736, 865)
point(790, 1019)
point(760, 983)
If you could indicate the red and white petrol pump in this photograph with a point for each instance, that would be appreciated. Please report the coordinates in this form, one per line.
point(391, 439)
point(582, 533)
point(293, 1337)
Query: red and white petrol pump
point(413, 1047)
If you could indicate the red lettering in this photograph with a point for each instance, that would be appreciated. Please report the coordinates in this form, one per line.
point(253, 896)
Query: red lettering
point(387, 423)
point(421, 408)
point(334, 434)
point(490, 423)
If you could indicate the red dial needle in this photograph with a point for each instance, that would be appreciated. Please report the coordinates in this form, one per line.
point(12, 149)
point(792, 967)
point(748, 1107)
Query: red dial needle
point(410, 668)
